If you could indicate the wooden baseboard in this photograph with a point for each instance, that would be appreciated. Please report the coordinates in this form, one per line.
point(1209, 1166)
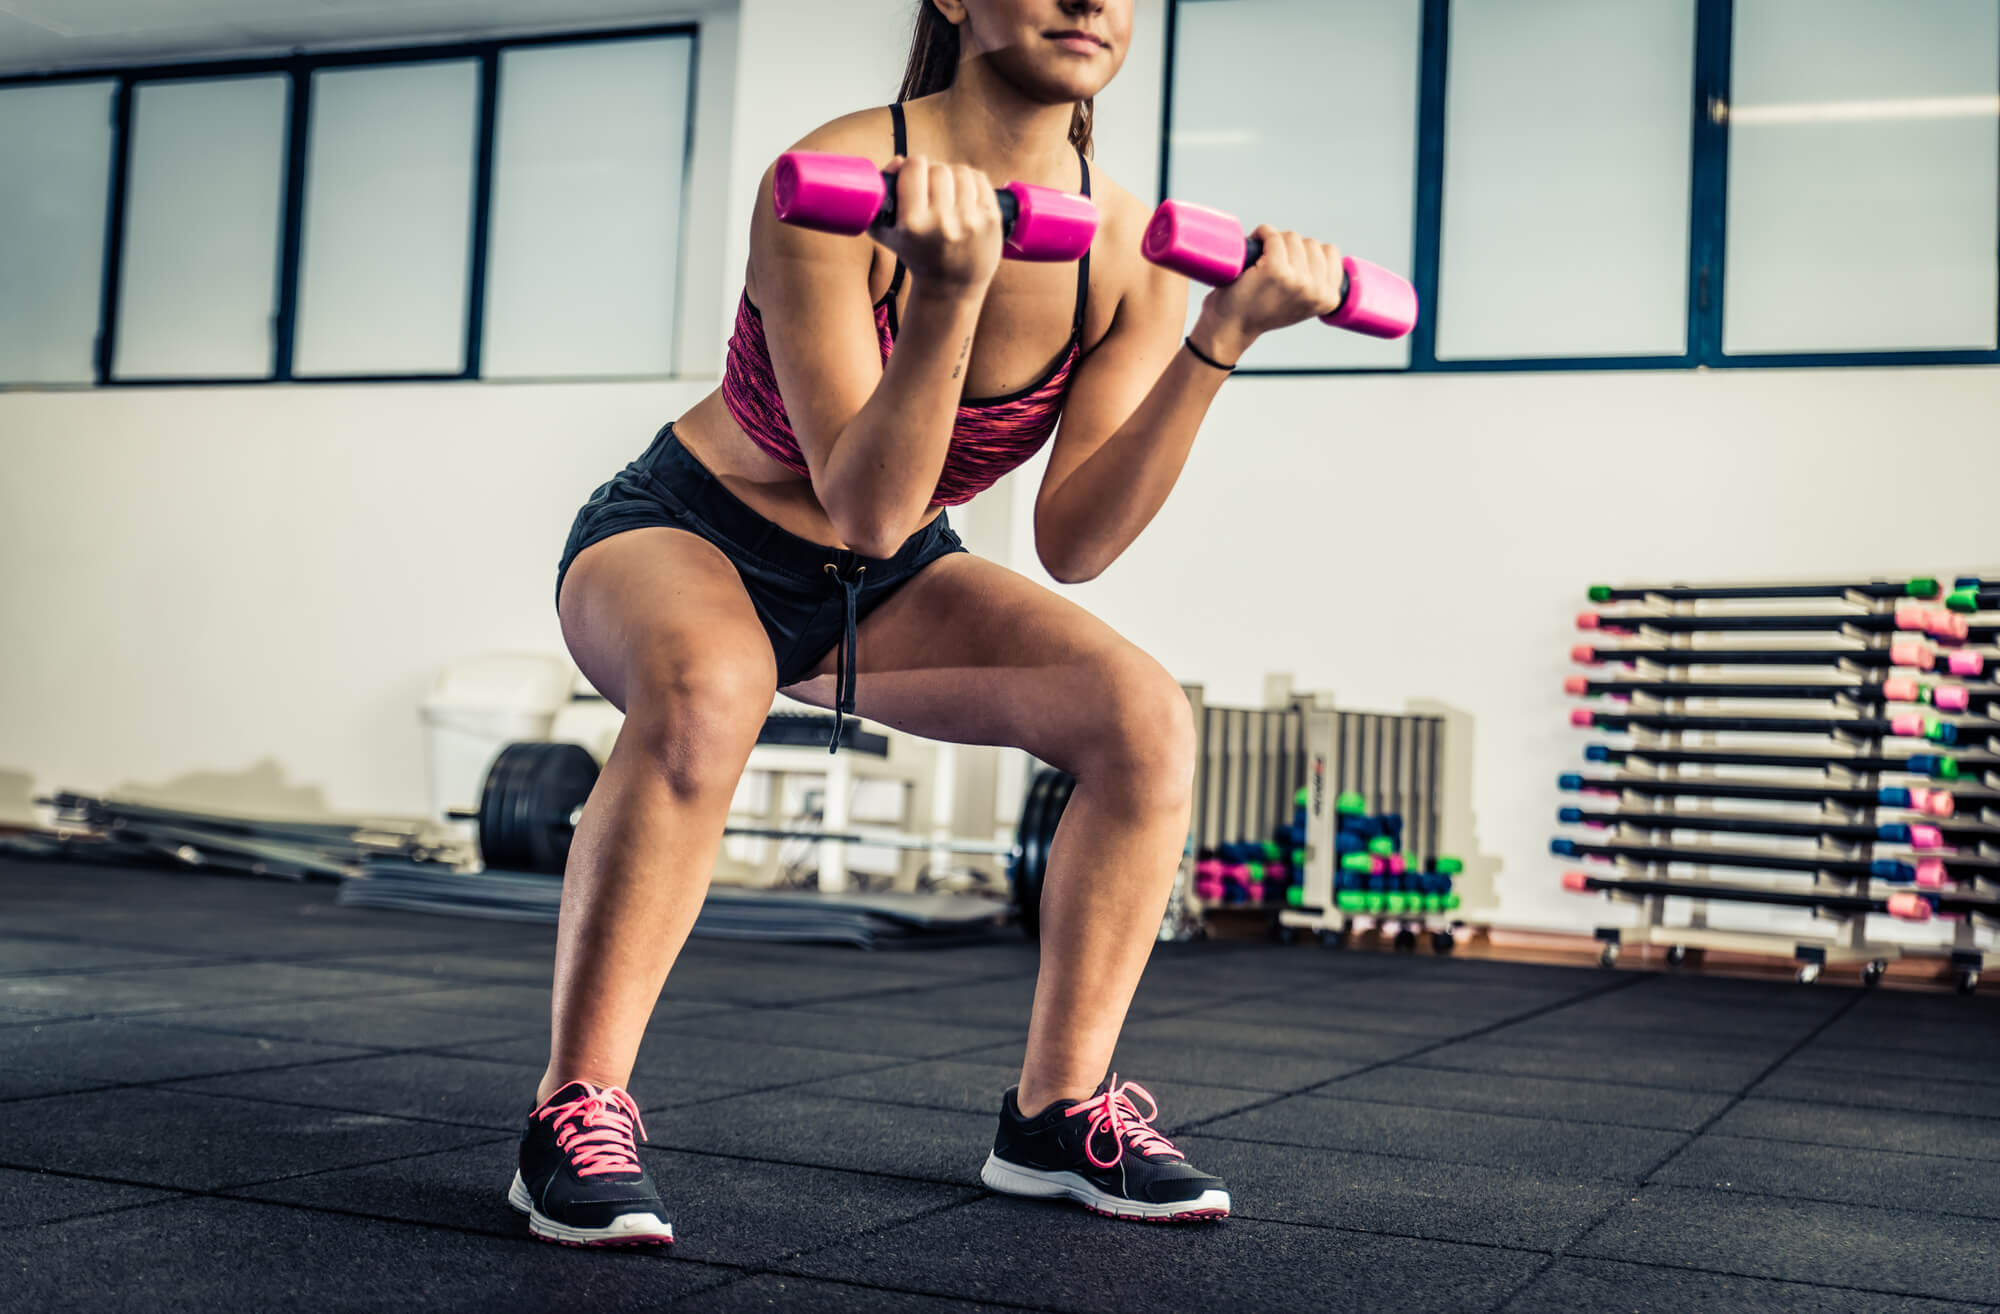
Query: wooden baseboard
point(1571, 949)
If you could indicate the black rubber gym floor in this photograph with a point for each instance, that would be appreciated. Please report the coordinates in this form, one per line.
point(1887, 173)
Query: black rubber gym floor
point(221, 1094)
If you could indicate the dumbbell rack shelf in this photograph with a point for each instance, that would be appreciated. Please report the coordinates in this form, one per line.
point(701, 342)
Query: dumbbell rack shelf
point(1688, 795)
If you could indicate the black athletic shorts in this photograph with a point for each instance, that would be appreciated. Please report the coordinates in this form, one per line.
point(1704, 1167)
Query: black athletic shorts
point(810, 597)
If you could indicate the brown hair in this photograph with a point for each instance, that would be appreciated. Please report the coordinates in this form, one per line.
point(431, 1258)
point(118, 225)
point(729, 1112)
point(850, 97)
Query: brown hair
point(934, 64)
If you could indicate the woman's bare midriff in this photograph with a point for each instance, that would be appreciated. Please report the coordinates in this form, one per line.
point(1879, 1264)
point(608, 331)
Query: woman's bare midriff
point(714, 438)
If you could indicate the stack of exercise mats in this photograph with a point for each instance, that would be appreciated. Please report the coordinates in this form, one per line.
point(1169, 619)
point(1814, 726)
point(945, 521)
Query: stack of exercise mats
point(1828, 749)
point(1283, 826)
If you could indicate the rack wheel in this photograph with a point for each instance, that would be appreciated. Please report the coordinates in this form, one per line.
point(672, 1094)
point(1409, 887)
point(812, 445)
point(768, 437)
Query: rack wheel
point(1284, 934)
point(1332, 939)
point(1676, 955)
point(1871, 973)
point(1406, 941)
point(1968, 982)
point(1609, 958)
point(1442, 942)
point(1808, 973)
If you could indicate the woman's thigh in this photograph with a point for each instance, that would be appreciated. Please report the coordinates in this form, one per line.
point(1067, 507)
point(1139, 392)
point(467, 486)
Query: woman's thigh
point(971, 652)
point(659, 622)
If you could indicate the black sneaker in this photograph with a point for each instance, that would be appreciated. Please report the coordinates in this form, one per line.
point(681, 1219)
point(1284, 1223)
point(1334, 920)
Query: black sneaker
point(580, 1181)
point(1102, 1153)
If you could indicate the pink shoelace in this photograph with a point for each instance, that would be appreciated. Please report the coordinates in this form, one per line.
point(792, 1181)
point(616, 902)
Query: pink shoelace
point(595, 1130)
point(1114, 1111)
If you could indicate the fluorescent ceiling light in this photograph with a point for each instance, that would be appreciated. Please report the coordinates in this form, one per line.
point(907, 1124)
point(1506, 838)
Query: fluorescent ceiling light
point(1850, 111)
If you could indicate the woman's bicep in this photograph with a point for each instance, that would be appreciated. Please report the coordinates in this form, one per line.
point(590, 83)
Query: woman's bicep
point(1111, 382)
point(819, 324)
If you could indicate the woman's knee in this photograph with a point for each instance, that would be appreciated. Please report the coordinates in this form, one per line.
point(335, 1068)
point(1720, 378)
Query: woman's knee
point(695, 723)
point(1144, 727)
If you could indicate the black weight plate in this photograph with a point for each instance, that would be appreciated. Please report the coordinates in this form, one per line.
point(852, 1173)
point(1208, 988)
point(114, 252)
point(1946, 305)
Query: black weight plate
point(492, 800)
point(1030, 856)
point(559, 782)
point(1046, 800)
point(506, 820)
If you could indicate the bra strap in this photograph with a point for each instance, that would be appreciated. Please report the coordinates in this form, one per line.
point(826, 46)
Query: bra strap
point(902, 138)
point(1083, 264)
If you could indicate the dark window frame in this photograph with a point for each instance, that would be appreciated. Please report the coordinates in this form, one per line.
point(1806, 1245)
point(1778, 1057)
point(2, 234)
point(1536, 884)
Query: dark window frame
point(1708, 206)
point(299, 69)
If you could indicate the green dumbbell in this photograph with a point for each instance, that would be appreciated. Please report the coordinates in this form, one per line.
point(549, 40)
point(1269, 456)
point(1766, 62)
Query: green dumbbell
point(1449, 866)
point(1383, 845)
point(1351, 804)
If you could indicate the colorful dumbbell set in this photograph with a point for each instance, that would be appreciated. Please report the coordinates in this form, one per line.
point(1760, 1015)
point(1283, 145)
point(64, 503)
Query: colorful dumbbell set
point(1373, 877)
point(1247, 871)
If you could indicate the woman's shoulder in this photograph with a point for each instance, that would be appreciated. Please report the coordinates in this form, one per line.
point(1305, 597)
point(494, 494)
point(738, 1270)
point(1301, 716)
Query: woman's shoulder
point(1115, 263)
point(864, 132)
point(1121, 216)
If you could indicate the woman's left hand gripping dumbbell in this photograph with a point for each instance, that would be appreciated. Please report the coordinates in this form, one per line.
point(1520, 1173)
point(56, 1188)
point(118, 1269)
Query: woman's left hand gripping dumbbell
point(1272, 279)
point(1297, 279)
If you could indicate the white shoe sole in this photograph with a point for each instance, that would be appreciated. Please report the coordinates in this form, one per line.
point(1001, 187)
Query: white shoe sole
point(1013, 1179)
point(625, 1230)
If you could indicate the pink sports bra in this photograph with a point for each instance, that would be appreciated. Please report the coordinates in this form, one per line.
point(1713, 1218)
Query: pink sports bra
point(992, 435)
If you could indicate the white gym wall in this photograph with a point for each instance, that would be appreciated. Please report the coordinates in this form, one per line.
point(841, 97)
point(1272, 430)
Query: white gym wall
point(240, 595)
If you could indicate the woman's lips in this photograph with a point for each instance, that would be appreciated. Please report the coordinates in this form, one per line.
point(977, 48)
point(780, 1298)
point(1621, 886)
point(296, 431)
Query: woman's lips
point(1079, 42)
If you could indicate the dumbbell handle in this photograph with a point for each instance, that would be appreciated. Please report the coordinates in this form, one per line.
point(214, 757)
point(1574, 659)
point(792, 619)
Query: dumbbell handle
point(1010, 206)
point(1253, 251)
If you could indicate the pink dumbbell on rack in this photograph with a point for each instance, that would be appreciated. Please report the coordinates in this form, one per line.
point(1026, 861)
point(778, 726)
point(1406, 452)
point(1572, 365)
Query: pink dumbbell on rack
point(1209, 246)
point(847, 194)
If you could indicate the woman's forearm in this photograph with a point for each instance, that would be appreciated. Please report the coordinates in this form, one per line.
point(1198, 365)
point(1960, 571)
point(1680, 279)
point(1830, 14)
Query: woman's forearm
point(884, 466)
point(1106, 501)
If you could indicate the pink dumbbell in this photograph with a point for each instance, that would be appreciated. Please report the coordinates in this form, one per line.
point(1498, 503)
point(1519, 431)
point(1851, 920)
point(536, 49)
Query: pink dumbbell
point(1909, 650)
point(1951, 698)
point(847, 194)
point(1209, 247)
point(1910, 907)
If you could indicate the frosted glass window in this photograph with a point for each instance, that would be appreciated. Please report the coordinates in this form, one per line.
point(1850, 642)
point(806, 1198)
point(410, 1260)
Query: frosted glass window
point(1566, 178)
point(203, 201)
point(55, 157)
point(388, 220)
point(1302, 114)
point(590, 146)
point(1863, 141)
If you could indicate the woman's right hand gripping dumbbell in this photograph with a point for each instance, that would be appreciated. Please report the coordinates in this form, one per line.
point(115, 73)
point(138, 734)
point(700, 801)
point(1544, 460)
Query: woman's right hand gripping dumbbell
point(947, 228)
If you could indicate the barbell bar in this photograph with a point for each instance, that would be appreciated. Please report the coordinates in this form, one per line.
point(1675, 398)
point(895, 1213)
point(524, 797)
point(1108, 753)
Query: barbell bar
point(534, 793)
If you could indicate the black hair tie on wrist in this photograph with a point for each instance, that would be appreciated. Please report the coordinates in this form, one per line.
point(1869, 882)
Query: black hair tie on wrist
point(1205, 358)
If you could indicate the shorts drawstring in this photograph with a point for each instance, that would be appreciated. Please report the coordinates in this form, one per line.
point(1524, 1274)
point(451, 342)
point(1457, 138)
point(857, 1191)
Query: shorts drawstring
point(845, 675)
